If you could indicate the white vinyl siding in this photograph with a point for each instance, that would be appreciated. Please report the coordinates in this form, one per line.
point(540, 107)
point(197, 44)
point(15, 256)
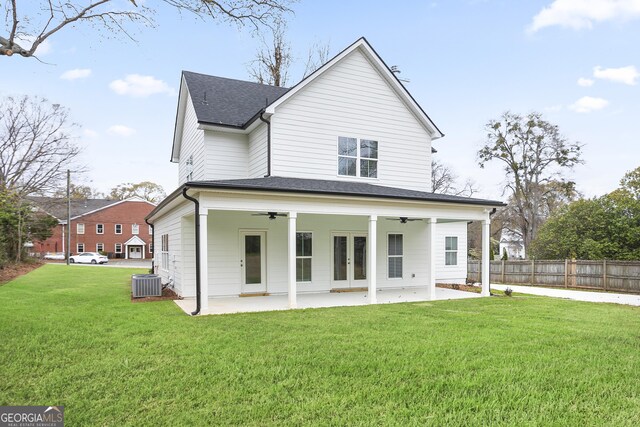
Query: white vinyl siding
point(258, 152)
point(192, 147)
point(451, 273)
point(227, 155)
point(352, 100)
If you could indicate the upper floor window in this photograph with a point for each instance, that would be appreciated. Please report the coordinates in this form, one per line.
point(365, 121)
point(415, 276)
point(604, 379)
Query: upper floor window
point(357, 157)
point(150, 230)
point(99, 228)
point(189, 168)
point(118, 228)
point(80, 228)
point(135, 228)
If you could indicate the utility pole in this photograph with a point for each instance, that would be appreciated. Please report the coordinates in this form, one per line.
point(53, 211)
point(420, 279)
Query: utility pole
point(68, 254)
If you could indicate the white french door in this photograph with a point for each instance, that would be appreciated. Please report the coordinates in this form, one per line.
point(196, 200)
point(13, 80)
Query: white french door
point(349, 260)
point(253, 261)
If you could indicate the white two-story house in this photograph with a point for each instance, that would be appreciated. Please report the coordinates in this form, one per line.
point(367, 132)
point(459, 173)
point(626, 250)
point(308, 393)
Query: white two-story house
point(320, 187)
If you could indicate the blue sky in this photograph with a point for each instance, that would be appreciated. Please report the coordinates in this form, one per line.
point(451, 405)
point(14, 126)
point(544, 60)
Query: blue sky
point(467, 62)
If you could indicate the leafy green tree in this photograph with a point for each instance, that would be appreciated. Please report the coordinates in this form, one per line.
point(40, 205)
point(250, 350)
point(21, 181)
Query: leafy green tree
point(20, 223)
point(146, 190)
point(535, 156)
point(607, 227)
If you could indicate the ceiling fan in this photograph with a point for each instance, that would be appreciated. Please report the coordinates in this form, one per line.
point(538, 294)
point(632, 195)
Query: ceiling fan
point(271, 215)
point(404, 219)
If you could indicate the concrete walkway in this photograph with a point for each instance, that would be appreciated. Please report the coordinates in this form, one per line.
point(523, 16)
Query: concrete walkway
point(228, 305)
point(628, 299)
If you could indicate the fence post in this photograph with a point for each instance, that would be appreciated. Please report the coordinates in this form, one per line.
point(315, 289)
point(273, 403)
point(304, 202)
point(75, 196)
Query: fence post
point(604, 274)
point(533, 272)
point(566, 273)
point(502, 272)
point(574, 273)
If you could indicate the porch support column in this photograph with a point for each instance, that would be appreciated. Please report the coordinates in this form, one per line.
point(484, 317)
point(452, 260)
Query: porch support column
point(204, 262)
point(372, 257)
point(431, 245)
point(486, 247)
point(293, 301)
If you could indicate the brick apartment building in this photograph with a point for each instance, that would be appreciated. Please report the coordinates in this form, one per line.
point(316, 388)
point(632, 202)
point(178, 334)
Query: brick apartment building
point(114, 227)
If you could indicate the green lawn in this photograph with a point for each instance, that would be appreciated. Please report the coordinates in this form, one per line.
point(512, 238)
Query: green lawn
point(70, 336)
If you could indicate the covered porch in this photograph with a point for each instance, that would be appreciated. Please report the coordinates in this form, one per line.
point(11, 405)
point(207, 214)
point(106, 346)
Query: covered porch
point(228, 305)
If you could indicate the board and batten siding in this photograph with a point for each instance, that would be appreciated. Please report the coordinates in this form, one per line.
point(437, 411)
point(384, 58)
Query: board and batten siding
point(258, 152)
point(351, 99)
point(192, 145)
point(227, 155)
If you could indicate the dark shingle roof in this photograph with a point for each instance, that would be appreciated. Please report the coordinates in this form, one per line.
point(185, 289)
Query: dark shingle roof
point(228, 102)
point(342, 188)
point(57, 207)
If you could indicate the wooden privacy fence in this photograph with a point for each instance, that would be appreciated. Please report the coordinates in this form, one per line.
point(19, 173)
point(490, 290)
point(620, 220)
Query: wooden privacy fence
point(620, 276)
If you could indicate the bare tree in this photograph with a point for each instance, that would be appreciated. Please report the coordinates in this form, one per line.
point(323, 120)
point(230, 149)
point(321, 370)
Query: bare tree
point(146, 190)
point(36, 21)
point(445, 181)
point(273, 58)
point(317, 56)
point(36, 147)
point(534, 155)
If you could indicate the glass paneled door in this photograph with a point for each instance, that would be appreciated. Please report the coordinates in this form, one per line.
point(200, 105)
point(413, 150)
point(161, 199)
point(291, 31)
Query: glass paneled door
point(349, 260)
point(253, 261)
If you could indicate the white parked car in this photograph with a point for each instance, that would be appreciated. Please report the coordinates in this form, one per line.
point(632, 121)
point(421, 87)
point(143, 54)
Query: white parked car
point(54, 255)
point(88, 258)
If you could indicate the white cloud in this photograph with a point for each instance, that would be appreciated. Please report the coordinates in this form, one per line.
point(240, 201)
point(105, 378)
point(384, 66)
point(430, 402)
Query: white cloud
point(121, 130)
point(584, 82)
point(627, 75)
point(26, 41)
point(140, 86)
point(77, 73)
point(582, 14)
point(89, 133)
point(587, 104)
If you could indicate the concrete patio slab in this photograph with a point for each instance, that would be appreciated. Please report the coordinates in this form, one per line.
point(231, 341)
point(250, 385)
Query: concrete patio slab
point(318, 300)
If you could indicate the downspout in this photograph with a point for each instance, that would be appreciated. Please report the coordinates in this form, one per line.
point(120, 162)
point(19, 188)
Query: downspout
point(152, 248)
point(493, 211)
point(268, 122)
point(197, 214)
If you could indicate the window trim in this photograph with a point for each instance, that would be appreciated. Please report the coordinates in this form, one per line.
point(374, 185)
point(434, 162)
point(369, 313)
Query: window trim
point(164, 253)
point(100, 225)
point(358, 157)
point(115, 248)
point(99, 250)
point(78, 248)
point(135, 231)
point(389, 234)
point(115, 228)
point(454, 251)
point(80, 225)
point(304, 257)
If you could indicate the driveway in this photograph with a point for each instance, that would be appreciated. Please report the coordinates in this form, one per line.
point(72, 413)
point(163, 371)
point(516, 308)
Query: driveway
point(117, 263)
point(628, 299)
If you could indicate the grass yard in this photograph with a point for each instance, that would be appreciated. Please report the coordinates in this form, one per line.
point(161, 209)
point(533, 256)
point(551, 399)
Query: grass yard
point(70, 336)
